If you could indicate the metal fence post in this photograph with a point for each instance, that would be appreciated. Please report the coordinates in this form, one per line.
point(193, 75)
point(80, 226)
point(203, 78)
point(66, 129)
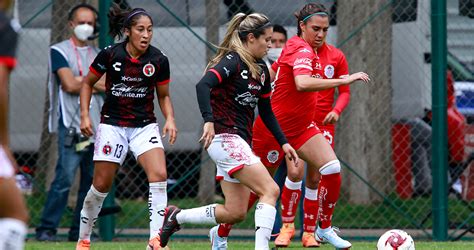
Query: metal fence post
point(439, 107)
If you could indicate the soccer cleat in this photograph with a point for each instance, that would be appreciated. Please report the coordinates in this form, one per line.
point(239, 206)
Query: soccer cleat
point(154, 244)
point(287, 232)
point(308, 240)
point(170, 225)
point(83, 245)
point(217, 242)
point(328, 235)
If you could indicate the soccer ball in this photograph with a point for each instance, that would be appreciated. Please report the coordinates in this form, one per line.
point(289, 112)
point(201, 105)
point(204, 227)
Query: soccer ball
point(395, 239)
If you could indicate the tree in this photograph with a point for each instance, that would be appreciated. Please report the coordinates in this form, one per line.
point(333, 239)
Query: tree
point(363, 136)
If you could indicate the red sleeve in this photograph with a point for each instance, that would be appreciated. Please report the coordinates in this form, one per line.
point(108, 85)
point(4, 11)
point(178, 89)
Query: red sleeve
point(342, 68)
point(343, 98)
point(302, 61)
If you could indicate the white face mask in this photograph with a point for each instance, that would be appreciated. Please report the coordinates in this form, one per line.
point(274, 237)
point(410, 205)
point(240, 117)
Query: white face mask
point(274, 53)
point(83, 31)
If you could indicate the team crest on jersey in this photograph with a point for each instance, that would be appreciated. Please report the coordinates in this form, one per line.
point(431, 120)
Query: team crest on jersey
point(262, 78)
point(329, 71)
point(107, 149)
point(272, 156)
point(148, 69)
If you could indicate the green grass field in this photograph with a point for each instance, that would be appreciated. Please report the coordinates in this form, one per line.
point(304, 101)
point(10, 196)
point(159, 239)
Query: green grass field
point(195, 245)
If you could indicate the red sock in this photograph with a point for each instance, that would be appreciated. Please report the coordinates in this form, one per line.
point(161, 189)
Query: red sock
point(289, 203)
point(224, 228)
point(310, 215)
point(328, 194)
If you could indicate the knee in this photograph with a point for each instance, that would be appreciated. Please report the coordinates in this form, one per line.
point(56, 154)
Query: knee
point(102, 186)
point(158, 175)
point(273, 191)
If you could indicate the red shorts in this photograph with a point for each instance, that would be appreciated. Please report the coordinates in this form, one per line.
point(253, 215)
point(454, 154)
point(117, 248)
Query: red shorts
point(266, 147)
point(328, 133)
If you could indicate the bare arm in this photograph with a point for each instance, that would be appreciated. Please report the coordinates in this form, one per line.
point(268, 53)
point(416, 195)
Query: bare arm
point(164, 99)
point(307, 83)
point(69, 82)
point(4, 73)
point(100, 85)
point(85, 99)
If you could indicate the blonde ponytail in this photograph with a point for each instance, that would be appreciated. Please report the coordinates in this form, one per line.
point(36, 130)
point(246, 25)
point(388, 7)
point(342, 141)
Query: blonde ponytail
point(240, 24)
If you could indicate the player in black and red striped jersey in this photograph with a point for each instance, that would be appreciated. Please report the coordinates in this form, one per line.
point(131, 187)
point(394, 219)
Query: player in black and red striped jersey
point(13, 212)
point(134, 70)
point(237, 81)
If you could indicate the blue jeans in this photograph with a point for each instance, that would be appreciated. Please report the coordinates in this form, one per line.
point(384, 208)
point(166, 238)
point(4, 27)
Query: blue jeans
point(68, 162)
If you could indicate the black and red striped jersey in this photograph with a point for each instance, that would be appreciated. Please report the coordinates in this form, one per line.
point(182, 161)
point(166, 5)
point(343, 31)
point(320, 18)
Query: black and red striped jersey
point(234, 98)
point(130, 84)
point(8, 42)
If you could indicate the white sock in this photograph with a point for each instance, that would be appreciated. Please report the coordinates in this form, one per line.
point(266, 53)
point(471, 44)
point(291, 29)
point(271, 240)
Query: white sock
point(157, 200)
point(292, 185)
point(12, 234)
point(90, 211)
point(311, 194)
point(199, 215)
point(264, 219)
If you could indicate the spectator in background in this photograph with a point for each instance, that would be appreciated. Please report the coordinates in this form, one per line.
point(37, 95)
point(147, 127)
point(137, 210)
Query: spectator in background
point(69, 63)
point(13, 212)
point(279, 37)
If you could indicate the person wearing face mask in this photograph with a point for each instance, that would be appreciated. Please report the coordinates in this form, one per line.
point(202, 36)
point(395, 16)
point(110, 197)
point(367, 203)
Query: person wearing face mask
point(279, 37)
point(69, 63)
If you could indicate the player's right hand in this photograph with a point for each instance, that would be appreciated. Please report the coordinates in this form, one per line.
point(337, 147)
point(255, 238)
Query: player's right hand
point(290, 153)
point(208, 134)
point(86, 126)
point(356, 77)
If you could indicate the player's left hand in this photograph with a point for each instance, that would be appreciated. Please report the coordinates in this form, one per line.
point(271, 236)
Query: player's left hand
point(290, 153)
point(171, 130)
point(331, 118)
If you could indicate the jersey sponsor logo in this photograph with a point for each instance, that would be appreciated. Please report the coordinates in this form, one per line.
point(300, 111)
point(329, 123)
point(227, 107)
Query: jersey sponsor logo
point(227, 72)
point(148, 69)
point(272, 156)
point(247, 99)
point(117, 65)
point(122, 90)
point(302, 61)
point(329, 71)
point(229, 56)
point(107, 149)
point(131, 79)
point(305, 50)
point(244, 74)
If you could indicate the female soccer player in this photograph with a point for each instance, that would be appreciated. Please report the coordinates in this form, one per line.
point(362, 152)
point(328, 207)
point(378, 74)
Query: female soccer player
point(299, 74)
point(134, 70)
point(236, 81)
point(334, 66)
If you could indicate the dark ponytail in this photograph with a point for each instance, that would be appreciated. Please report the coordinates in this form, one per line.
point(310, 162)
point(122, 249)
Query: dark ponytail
point(307, 11)
point(120, 19)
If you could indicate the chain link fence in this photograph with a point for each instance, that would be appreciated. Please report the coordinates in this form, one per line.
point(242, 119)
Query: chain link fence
point(383, 138)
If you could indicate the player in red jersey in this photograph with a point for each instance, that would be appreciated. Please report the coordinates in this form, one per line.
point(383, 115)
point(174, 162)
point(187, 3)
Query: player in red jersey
point(135, 71)
point(298, 76)
point(333, 64)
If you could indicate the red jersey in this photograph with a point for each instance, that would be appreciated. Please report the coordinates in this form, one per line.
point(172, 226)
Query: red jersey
point(333, 65)
point(294, 109)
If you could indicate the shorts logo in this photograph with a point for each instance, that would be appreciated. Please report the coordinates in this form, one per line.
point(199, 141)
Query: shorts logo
point(148, 69)
point(272, 156)
point(328, 136)
point(107, 149)
point(329, 71)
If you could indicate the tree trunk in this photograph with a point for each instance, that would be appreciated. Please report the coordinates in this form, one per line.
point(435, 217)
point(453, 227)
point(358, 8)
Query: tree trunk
point(207, 182)
point(363, 135)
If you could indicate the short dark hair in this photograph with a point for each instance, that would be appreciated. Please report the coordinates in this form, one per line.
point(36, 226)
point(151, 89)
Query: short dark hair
point(280, 29)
